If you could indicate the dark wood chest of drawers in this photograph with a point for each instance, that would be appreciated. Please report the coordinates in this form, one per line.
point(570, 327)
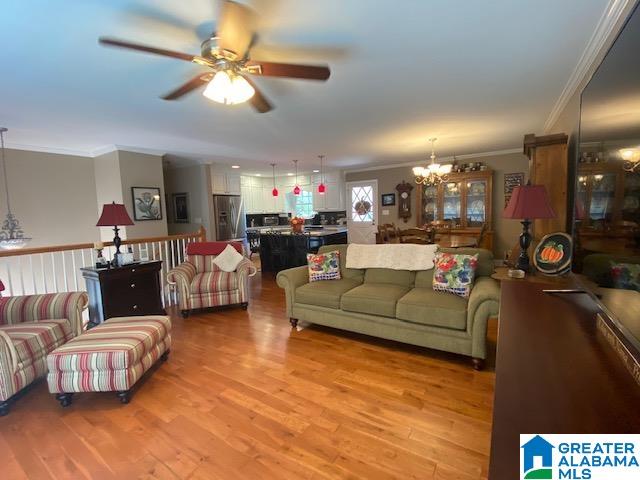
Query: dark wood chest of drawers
point(124, 291)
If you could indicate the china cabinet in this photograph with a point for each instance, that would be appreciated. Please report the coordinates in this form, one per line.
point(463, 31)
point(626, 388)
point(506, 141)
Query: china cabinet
point(463, 201)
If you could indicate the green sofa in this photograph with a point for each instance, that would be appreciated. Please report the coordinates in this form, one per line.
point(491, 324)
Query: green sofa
point(398, 305)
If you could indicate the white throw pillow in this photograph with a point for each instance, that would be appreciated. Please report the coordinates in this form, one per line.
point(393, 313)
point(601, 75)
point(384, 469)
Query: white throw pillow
point(228, 260)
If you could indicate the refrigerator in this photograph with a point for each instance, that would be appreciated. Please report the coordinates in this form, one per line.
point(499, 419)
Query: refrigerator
point(229, 217)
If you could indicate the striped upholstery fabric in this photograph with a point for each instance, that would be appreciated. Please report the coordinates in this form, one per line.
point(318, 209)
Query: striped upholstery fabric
point(24, 352)
point(208, 282)
point(31, 326)
point(32, 308)
point(201, 283)
point(109, 357)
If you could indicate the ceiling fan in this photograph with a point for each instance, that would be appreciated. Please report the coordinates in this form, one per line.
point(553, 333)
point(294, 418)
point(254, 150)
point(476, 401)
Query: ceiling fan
point(226, 54)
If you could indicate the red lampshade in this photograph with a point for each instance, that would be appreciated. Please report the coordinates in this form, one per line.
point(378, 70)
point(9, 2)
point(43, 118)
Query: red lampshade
point(296, 190)
point(113, 215)
point(528, 202)
point(274, 192)
point(322, 189)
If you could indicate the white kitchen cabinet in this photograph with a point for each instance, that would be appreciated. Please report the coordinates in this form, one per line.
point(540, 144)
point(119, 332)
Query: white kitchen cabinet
point(225, 184)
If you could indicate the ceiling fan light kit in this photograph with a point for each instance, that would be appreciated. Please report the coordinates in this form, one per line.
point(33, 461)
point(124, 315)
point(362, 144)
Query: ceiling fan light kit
point(228, 88)
point(226, 55)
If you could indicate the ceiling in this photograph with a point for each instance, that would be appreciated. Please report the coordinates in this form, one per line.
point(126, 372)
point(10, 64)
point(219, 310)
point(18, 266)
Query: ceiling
point(477, 75)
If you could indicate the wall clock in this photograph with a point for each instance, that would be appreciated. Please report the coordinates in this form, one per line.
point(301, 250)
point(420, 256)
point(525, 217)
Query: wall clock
point(404, 200)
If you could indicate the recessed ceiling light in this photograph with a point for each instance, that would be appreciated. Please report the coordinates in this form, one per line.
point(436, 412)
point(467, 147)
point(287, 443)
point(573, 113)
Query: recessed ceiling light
point(316, 171)
point(235, 166)
point(290, 174)
point(258, 174)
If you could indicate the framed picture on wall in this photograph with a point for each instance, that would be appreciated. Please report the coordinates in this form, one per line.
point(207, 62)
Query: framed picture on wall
point(388, 199)
point(180, 203)
point(146, 203)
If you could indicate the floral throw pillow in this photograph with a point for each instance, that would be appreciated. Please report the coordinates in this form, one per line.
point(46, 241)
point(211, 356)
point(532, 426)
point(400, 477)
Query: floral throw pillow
point(626, 276)
point(324, 266)
point(454, 273)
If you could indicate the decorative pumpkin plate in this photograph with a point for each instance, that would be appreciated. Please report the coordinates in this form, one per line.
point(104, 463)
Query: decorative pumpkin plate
point(553, 254)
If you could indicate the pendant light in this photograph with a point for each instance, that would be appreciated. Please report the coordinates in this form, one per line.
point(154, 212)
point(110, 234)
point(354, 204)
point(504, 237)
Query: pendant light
point(321, 188)
point(11, 234)
point(274, 192)
point(296, 189)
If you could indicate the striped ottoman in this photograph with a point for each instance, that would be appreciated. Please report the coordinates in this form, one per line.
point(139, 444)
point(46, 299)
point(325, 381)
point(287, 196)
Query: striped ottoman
point(108, 358)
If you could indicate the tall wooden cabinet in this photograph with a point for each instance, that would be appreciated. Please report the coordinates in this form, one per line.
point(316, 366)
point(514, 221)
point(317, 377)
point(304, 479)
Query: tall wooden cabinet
point(464, 200)
point(549, 166)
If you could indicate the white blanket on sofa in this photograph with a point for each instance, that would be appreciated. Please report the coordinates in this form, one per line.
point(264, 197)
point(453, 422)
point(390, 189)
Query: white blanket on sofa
point(396, 256)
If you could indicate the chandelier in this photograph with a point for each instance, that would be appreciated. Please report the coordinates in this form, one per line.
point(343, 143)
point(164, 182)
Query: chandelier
point(434, 173)
point(11, 234)
point(631, 158)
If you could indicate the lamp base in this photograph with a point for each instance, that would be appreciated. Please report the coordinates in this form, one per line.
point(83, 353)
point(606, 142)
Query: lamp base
point(525, 242)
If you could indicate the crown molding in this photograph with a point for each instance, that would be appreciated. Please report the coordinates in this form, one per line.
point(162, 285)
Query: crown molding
point(413, 163)
point(602, 38)
point(41, 149)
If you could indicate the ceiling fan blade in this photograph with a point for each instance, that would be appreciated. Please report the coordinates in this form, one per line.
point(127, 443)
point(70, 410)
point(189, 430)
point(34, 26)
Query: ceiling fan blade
point(235, 28)
point(258, 101)
point(188, 86)
point(114, 42)
point(309, 72)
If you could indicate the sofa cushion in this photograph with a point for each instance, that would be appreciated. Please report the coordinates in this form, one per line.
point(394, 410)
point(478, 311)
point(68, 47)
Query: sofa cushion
point(325, 294)
point(324, 266)
point(344, 271)
point(439, 309)
point(373, 298)
point(403, 278)
point(33, 340)
point(218, 281)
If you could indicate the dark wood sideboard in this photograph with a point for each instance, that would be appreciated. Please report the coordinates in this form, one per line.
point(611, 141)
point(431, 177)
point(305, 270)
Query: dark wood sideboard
point(555, 373)
point(130, 290)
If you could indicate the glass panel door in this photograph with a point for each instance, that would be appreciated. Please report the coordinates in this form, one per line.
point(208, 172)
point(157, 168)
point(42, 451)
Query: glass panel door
point(452, 203)
point(631, 198)
point(475, 207)
point(581, 200)
point(603, 188)
point(429, 204)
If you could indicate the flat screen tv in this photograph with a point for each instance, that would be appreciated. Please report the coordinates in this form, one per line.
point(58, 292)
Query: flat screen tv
point(607, 184)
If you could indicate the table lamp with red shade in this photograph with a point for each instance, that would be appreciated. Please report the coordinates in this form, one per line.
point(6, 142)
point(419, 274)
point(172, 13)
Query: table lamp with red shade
point(114, 215)
point(528, 202)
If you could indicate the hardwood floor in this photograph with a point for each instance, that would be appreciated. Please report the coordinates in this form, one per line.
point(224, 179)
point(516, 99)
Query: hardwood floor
point(242, 396)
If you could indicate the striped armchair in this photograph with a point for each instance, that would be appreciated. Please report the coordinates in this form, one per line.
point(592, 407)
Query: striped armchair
point(201, 284)
point(32, 326)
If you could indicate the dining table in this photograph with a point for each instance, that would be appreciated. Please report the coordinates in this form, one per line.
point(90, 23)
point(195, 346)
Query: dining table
point(456, 241)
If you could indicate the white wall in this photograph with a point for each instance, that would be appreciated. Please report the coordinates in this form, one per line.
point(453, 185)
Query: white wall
point(108, 188)
point(53, 196)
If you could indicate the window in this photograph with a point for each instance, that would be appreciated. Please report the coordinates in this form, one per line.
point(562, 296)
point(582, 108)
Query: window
point(301, 205)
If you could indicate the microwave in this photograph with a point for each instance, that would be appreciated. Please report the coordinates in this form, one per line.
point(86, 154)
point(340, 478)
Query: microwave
point(270, 220)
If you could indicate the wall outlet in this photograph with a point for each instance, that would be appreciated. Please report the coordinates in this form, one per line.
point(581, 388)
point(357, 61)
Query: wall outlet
point(385, 212)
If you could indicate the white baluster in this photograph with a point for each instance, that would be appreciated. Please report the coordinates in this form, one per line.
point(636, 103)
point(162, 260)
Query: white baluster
point(64, 272)
point(44, 277)
point(21, 275)
point(75, 273)
point(33, 275)
point(55, 277)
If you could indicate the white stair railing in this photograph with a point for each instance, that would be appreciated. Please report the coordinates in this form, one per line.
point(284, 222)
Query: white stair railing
point(57, 269)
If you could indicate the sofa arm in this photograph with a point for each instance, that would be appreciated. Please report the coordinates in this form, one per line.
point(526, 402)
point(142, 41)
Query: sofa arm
point(246, 268)
point(289, 280)
point(180, 277)
point(484, 302)
point(49, 306)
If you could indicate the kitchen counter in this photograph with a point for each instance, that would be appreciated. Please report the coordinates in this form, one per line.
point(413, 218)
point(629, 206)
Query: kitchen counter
point(281, 251)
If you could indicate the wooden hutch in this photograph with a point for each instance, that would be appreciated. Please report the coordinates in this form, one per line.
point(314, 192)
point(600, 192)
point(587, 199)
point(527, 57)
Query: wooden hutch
point(464, 200)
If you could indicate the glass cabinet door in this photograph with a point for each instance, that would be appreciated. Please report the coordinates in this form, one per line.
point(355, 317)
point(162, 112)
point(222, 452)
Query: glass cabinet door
point(476, 203)
point(452, 202)
point(429, 204)
point(603, 189)
point(631, 198)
